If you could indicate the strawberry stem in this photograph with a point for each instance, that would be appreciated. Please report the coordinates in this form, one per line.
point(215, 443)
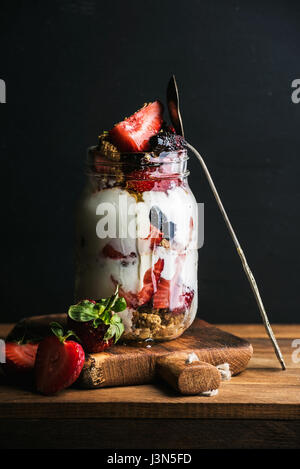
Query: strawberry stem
point(58, 331)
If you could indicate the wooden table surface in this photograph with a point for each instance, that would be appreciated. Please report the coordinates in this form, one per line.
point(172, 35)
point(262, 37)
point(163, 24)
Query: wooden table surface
point(260, 408)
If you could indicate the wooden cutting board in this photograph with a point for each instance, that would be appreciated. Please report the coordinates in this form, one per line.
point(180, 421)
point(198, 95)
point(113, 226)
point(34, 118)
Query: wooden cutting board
point(124, 365)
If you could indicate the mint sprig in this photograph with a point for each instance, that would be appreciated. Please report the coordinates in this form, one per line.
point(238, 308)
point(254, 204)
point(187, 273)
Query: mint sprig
point(115, 329)
point(103, 311)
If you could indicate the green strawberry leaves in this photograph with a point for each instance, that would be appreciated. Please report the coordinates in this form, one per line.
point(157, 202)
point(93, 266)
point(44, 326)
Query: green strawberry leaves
point(120, 305)
point(58, 331)
point(103, 311)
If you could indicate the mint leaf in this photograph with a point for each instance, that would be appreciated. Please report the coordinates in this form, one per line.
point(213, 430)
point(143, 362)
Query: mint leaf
point(113, 299)
point(104, 311)
point(106, 317)
point(120, 305)
point(110, 332)
point(119, 331)
point(115, 329)
point(115, 319)
point(84, 311)
point(97, 322)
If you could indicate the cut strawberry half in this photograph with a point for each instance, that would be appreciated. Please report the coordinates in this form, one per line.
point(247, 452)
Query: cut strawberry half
point(20, 358)
point(58, 364)
point(155, 236)
point(150, 280)
point(133, 133)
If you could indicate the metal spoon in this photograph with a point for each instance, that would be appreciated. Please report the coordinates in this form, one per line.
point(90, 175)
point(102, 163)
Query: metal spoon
point(173, 106)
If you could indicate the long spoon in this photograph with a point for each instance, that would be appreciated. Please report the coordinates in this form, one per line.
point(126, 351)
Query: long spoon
point(174, 111)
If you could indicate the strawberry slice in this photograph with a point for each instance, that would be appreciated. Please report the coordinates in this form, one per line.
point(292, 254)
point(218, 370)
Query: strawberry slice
point(185, 300)
point(142, 180)
point(111, 252)
point(176, 297)
point(130, 298)
point(133, 133)
point(20, 358)
point(155, 236)
point(150, 280)
point(161, 298)
point(169, 292)
point(58, 362)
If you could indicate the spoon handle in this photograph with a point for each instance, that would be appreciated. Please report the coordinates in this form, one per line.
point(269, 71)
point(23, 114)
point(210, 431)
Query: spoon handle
point(242, 256)
point(173, 106)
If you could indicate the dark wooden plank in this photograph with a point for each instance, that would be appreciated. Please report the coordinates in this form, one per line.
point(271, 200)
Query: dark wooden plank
point(149, 433)
point(234, 401)
point(263, 391)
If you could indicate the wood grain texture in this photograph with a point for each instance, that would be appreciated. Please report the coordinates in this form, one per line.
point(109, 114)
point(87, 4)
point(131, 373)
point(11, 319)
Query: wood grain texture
point(261, 392)
point(148, 434)
point(128, 365)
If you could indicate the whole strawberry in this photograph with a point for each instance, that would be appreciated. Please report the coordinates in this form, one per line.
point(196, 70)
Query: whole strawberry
point(97, 324)
point(58, 361)
point(92, 338)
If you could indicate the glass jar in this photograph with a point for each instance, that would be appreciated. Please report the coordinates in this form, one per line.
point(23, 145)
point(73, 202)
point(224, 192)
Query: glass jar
point(137, 228)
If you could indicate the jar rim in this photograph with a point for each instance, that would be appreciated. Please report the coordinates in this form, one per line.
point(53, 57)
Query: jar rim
point(165, 165)
point(142, 158)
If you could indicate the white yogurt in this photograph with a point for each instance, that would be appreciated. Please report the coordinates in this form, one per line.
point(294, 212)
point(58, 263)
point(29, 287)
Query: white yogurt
point(97, 274)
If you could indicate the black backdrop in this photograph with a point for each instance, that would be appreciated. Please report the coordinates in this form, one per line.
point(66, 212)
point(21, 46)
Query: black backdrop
point(75, 67)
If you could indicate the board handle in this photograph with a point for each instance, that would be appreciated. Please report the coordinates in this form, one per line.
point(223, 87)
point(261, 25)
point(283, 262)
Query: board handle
point(188, 378)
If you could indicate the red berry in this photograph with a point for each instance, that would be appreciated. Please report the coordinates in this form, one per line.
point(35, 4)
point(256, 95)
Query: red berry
point(20, 358)
point(149, 180)
point(133, 133)
point(131, 298)
point(185, 300)
point(165, 184)
point(91, 338)
point(150, 280)
point(161, 298)
point(58, 364)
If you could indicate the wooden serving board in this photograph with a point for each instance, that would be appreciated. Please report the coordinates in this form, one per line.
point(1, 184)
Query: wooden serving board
point(123, 364)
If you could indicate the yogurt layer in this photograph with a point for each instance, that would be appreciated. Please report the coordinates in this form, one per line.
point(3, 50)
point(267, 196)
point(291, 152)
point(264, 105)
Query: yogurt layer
point(112, 247)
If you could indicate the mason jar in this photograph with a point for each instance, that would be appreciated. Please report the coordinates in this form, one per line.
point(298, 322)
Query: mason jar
point(137, 228)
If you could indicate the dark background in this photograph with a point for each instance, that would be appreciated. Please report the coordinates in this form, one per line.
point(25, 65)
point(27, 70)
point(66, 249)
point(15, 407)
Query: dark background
point(74, 68)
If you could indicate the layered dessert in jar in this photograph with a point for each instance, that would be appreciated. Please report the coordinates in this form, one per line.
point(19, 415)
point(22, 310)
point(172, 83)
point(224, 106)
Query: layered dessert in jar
point(137, 227)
